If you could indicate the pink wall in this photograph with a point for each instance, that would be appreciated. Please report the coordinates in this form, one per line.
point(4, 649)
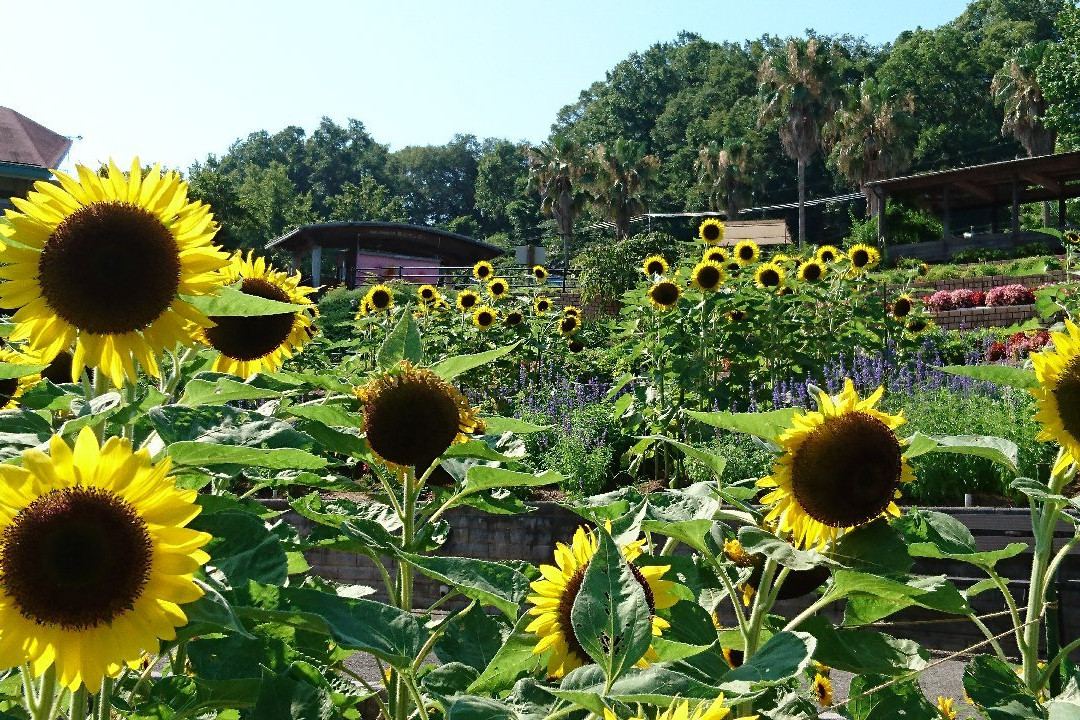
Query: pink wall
point(378, 266)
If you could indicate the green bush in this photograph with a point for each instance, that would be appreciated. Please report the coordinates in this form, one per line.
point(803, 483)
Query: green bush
point(337, 309)
point(943, 478)
point(903, 226)
point(585, 449)
point(607, 269)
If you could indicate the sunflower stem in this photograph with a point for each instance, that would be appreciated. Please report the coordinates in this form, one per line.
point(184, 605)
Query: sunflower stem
point(103, 706)
point(403, 685)
point(79, 702)
point(30, 696)
point(761, 608)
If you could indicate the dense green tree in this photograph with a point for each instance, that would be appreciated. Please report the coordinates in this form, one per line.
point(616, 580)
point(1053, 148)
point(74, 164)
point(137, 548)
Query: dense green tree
point(555, 172)
point(437, 183)
point(366, 201)
point(1059, 78)
point(618, 177)
point(872, 136)
point(503, 200)
point(723, 175)
point(799, 87)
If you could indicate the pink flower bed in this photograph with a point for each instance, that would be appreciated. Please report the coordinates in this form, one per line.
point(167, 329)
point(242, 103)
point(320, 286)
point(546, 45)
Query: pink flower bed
point(1009, 295)
point(1000, 296)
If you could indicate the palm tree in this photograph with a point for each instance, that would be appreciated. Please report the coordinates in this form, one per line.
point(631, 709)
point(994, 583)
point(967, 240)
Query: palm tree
point(873, 137)
point(722, 172)
point(555, 171)
point(619, 177)
point(798, 86)
point(1017, 89)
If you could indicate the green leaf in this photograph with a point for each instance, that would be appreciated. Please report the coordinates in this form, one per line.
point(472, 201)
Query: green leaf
point(214, 610)
point(200, 454)
point(242, 548)
point(767, 425)
point(997, 449)
point(876, 548)
point(610, 615)
point(712, 461)
point(283, 698)
point(490, 583)
point(986, 559)
point(896, 699)
point(1006, 375)
point(478, 708)
point(693, 533)
point(873, 597)
point(654, 685)
point(354, 623)
point(21, 429)
point(453, 366)
point(495, 425)
point(756, 540)
point(485, 477)
point(448, 681)
point(224, 425)
point(370, 526)
point(10, 371)
point(329, 415)
point(473, 638)
point(230, 302)
point(403, 343)
point(994, 686)
point(863, 651)
point(946, 532)
point(220, 391)
point(785, 655)
point(514, 659)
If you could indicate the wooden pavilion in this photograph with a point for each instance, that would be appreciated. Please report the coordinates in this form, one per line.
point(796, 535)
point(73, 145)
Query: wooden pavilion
point(376, 251)
point(28, 152)
point(982, 192)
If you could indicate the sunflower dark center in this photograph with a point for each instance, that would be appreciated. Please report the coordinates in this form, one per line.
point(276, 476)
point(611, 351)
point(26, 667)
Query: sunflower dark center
point(498, 289)
point(427, 293)
point(485, 318)
point(828, 256)
point(711, 232)
point(568, 324)
point(665, 293)
point(715, 256)
point(917, 326)
point(812, 272)
point(847, 470)
point(1067, 394)
point(250, 338)
point(514, 318)
point(859, 258)
point(467, 300)
point(769, 278)
point(708, 277)
point(411, 420)
point(110, 268)
point(655, 267)
point(569, 595)
point(75, 558)
point(59, 370)
point(483, 271)
point(576, 346)
point(543, 306)
point(746, 253)
point(901, 307)
point(380, 299)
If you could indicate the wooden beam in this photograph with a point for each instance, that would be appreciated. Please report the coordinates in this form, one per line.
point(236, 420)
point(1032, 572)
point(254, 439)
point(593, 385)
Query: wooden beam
point(1039, 179)
point(976, 190)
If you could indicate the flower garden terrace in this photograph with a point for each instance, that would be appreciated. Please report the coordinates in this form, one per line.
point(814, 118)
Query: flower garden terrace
point(141, 575)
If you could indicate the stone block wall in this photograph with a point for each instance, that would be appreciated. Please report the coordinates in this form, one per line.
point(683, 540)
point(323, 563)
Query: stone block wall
point(984, 317)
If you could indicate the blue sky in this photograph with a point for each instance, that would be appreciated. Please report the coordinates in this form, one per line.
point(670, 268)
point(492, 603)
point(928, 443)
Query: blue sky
point(175, 81)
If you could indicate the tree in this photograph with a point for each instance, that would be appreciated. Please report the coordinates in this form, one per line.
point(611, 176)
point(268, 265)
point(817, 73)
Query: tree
point(502, 190)
point(368, 201)
point(555, 170)
point(1059, 77)
point(438, 182)
point(798, 86)
point(872, 138)
point(619, 177)
point(723, 173)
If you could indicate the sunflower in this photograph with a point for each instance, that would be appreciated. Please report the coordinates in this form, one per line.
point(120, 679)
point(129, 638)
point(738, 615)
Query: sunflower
point(12, 388)
point(842, 467)
point(664, 294)
point(746, 252)
point(811, 271)
point(707, 276)
point(828, 254)
point(557, 590)
point(733, 657)
point(483, 270)
point(736, 553)
point(498, 288)
point(711, 231)
point(96, 559)
point(540, 273)
point(654, 265)
point(427, 293)
point(572, 310)
point(541, 305)
point(1071, 237)
point(923, 269)
point(411, 416)
point(379, 298)
point(1058, 394)
point(735, 316)
point(715, 254)
point(919, 325)
point(575, 346)
point(769, 275)
point(823, 690)
point(569, 324)
point(945, 708)
point(902, 306)
point(364, 308)
point(247, 345)
point(485, 317)
point(863, 257)
point(466, 300)
point(514, 317)
point(58, 370)
point(103, 263)
point(680, 710)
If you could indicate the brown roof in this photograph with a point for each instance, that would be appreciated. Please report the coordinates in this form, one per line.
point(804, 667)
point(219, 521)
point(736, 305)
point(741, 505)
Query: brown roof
point(1044, 177)
point(26, 142)
point(401, 238)
point(763, 232)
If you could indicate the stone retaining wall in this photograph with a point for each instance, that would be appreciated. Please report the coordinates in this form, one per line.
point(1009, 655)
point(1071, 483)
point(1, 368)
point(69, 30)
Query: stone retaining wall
point(984, 317)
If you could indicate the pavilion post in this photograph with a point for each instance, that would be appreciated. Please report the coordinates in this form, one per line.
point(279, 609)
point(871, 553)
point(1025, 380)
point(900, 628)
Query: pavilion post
point(316, 266)
point(1061, 213)
point(882, 202)
point(1015, 207)
point(946, 230)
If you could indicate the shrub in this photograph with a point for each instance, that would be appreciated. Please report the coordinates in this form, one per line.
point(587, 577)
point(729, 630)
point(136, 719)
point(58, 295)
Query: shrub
point(607, 269)
point(965, 298)
point(1004, 295)
point(940, 301)
point(337, 309)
